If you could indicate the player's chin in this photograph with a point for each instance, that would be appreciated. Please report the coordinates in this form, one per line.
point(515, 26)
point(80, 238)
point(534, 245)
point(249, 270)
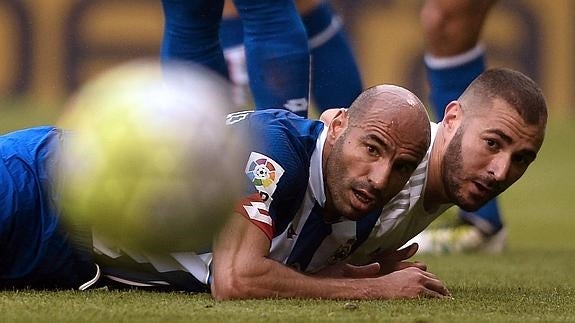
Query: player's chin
point(473, 197)
point(357, 213)
point(473, 203)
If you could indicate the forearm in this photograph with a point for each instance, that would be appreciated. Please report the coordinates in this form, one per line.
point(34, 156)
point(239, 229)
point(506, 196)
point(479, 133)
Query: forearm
point(242, 269)
point(271, 279)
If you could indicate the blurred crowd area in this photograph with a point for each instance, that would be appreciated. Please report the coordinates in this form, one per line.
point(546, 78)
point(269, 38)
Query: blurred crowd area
point(49, 48)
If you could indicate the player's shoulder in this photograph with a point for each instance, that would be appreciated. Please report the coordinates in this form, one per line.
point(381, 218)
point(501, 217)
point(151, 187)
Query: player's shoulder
point(277, 127)
point(266, 117)
point(29, 139)
point(281, 145)
point(31, 134)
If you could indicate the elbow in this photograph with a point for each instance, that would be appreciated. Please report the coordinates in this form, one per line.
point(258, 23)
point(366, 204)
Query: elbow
point(223, 292)
point(230, 288)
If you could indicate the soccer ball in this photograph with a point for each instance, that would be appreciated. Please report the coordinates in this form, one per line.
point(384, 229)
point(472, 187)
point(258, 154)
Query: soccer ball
point(148, 162)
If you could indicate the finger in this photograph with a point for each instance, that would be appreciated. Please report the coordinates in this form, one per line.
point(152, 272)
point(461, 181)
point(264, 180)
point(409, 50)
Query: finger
point(437, 286)
point(365, 271)
point(407, 264)
point(407, 252)
point(399, 255)
point(429, 274)
point(420, 265)
point(396, 255)
point(428, 293)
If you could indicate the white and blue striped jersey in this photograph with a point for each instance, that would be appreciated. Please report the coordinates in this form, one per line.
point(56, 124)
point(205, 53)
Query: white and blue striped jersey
point(284, 197)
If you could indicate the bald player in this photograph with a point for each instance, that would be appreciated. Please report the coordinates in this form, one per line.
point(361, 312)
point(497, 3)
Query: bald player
point(326, 187)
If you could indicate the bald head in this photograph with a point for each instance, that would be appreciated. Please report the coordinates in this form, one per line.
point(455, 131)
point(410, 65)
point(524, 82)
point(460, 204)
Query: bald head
point(372, 149)
point(397, 106)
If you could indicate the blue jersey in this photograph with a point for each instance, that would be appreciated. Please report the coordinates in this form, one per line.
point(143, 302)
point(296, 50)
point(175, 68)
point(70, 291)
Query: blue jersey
point(284, 197)
point(34, 250)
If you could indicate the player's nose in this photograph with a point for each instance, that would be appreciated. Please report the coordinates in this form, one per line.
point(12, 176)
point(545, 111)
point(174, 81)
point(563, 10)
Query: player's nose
point(380, 174)
point(499, 167)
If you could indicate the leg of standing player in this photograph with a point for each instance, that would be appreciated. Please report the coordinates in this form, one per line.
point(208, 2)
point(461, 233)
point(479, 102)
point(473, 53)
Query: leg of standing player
point(191, 33)
point(335, 81)
point(276, 46)
point(277, 54)
point(454, 57)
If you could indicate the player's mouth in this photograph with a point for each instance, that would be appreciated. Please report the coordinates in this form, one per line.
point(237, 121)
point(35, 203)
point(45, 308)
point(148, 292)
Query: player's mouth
point(362, 200)
point(481, 190)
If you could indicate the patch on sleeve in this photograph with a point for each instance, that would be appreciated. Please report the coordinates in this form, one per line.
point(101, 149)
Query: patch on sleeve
point(264, 173)
point(254, 208)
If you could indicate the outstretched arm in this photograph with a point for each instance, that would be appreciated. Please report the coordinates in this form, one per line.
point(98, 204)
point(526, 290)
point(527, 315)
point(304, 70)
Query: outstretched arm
point(243, 270)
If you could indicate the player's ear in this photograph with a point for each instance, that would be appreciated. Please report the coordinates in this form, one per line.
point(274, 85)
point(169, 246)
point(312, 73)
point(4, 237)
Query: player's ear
point(453, 115)
point(328, 115)
point(338, 124)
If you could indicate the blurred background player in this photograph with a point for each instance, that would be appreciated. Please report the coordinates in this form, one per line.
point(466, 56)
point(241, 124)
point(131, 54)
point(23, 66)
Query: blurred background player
point(454, 57)
point(335, 76)
point(275, 44)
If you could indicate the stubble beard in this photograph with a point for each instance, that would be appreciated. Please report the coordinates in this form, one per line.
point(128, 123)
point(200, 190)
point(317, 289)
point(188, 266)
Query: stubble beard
point(336, 182)
point(452, 172)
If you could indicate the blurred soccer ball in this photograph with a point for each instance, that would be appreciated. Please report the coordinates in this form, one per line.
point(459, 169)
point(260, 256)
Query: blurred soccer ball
point(149, 162)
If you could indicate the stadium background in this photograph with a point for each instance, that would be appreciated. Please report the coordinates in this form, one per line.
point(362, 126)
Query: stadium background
point(48, 48)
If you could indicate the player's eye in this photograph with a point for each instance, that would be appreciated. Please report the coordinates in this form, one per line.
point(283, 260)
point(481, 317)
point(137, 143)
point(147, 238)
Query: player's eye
point(492, 144)
point(372, 150)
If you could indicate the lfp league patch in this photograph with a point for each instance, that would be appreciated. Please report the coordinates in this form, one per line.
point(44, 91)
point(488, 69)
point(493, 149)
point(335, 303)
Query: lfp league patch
point(264, 172)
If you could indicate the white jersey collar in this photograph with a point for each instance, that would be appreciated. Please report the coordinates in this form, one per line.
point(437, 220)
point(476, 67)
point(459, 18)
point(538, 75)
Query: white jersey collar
point(316, 169)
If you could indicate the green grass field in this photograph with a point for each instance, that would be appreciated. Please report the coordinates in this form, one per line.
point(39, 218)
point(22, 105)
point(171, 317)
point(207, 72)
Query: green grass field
point(532, 281)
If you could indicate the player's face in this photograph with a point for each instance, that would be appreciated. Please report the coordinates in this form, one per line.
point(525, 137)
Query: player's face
point(369, 164)
point(487, 154)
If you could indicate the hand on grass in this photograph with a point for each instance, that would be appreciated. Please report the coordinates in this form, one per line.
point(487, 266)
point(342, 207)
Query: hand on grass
point(413, 282)
point(391, 261)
